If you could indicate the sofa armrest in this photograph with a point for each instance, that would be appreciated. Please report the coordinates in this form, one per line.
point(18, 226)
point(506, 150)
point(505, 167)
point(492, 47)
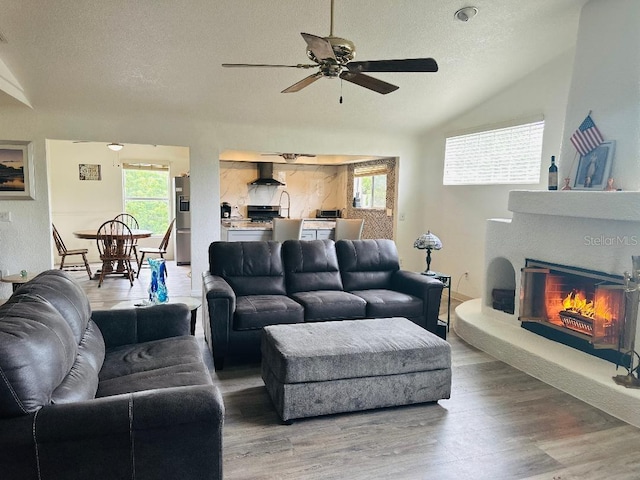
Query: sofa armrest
point(220, 302)
point(143, 324)
point(154, 434)
point(429, 289)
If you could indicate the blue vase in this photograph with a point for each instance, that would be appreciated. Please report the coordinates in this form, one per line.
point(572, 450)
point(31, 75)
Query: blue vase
point(158, 288)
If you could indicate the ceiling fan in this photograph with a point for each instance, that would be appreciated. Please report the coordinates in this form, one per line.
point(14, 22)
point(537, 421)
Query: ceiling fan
point(333, 57)
point(289, 157)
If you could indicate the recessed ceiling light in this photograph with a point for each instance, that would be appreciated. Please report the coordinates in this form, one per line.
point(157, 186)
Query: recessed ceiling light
point(116, 147)
point(465, 14)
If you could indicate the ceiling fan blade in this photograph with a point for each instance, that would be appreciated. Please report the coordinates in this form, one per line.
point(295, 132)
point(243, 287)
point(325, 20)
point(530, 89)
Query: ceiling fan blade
point(320, 47)
point(302, 83)
point(266, 65)
point(405, 65)
point(368, 82)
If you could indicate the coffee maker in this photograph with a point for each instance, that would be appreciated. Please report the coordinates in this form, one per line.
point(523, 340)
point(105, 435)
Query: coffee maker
point(225, 210)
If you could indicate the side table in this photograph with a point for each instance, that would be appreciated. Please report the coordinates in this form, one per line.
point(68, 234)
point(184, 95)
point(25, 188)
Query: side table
point(17, 280)
point(192, 302)
point(446, 279)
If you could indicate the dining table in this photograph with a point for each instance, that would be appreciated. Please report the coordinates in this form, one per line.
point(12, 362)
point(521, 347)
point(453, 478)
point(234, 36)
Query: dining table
point(93, 235)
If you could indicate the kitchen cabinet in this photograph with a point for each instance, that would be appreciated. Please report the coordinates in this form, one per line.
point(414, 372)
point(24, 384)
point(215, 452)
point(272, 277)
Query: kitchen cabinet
point(242, 235)
point(246, 232)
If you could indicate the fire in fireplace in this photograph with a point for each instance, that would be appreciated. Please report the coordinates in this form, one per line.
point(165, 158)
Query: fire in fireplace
point(578, 307)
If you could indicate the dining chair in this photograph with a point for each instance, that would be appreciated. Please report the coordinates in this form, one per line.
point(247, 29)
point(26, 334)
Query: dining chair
point(115, 244)
point(348, 229)
point(160, 250)
point(64, 252)
point(131, 222)
point(286, 229)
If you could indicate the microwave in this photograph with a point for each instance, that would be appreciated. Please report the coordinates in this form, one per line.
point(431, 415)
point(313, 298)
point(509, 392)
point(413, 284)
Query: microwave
point(335, 213)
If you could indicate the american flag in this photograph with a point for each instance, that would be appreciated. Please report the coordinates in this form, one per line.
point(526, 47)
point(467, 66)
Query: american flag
point(587, 136)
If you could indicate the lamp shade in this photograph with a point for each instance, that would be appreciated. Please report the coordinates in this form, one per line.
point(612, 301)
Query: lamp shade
point(428, 241)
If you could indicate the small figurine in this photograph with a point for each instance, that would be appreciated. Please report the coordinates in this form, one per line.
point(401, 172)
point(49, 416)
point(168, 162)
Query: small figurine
point(610, 187)
point(566, 185)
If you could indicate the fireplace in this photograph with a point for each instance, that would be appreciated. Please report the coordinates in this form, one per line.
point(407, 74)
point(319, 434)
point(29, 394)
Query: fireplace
point(582, 308)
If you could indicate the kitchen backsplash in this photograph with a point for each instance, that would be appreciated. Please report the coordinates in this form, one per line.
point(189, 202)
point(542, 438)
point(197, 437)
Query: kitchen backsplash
point(311, 187)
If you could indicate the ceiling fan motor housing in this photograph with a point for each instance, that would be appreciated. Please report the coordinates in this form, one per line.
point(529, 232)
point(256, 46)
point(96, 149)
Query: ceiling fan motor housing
point(344, 50)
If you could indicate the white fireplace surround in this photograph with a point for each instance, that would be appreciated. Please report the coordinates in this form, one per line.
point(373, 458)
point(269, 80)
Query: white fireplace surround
point(592, 230)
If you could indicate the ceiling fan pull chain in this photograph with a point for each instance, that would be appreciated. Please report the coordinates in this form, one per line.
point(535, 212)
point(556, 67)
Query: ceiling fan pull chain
point(340, 91)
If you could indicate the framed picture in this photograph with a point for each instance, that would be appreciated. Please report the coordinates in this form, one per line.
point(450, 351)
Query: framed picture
point(593, 169)
point(16, 171)
point(89, 171)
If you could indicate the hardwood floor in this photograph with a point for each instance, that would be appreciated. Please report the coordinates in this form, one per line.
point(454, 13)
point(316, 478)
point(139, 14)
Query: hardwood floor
point(499, 424)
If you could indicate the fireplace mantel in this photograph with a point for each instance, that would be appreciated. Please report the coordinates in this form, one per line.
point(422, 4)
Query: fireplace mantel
point(615, 206)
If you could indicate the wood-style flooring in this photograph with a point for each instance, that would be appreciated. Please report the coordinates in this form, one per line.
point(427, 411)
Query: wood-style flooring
point(499, 423)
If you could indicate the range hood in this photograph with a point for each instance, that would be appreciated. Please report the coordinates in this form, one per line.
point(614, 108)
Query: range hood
point(265, 175)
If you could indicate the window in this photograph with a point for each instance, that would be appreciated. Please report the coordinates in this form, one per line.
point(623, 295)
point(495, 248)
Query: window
point(501, 156)
point(370, 186)
point(146, 195)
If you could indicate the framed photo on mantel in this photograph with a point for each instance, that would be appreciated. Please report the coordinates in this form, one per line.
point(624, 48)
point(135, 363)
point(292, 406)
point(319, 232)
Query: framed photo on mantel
point(16, 171)
point(594, 168)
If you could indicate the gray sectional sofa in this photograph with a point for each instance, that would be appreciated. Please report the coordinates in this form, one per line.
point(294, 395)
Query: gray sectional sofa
point(250, 285)
point(105, 394)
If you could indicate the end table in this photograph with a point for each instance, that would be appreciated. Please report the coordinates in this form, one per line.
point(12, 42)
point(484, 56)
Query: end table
point(446, 279)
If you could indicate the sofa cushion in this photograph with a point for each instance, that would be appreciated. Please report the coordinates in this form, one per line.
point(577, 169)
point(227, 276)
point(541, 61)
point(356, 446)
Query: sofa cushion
point(66, 296)
point(255, 311)
point(250, 268)
point(169, 362)
point(81, 383)
point(385, 303)
point(39, 355)
point(366, 264)
point(322, 305)
point(310, 265)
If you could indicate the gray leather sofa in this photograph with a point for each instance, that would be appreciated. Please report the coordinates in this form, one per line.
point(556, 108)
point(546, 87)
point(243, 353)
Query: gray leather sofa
point(250, 285)
point(105, 394)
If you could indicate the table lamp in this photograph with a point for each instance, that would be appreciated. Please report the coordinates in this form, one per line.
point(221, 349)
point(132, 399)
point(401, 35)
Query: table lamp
point(428, 241)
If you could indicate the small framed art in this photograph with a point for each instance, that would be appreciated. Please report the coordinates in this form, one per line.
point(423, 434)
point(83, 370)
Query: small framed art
point(593, 169)
point(16, 171)
point(88, 171)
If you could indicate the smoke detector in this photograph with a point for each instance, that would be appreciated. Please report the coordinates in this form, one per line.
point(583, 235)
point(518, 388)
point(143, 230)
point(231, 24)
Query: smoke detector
point(465, 14)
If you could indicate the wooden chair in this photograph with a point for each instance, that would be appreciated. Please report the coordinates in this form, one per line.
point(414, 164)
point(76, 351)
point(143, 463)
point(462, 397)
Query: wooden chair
point(348, 229)
point(161, 250)
point(64, 252)
point(115, 244)
point(131, 222)
point(286, 229)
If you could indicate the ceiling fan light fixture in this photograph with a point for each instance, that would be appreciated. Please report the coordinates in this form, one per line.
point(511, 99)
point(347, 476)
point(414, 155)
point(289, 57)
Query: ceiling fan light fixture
point(465, 14)
point(116, 147)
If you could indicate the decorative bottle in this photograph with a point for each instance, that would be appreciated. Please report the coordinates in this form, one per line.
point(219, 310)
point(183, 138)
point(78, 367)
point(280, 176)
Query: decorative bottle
point(553, 174)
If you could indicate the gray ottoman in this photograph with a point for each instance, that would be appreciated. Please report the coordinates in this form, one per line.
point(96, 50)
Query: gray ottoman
point(314, 369)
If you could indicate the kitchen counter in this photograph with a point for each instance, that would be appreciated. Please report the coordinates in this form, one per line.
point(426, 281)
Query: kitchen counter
point(243, 230)
point(309, 224)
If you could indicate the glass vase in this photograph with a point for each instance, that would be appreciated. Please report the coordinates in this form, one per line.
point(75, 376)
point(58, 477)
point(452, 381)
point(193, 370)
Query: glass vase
point(158, 288)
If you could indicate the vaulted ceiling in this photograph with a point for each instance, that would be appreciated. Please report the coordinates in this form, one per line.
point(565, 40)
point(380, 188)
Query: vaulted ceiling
point(164, 57)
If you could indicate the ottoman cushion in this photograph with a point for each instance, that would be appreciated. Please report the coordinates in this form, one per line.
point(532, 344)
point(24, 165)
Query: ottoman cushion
point(351, 349)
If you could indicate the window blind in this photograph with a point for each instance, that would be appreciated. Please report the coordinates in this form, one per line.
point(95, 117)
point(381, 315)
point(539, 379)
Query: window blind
point(370, 171)
point(501, 156)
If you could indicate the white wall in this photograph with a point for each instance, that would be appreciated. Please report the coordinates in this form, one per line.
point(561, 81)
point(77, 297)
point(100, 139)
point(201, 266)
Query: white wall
point(458, 214)
point(606, 81)
point(84, 205)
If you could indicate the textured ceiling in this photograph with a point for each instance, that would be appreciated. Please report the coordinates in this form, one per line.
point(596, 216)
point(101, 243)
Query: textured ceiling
point(164, 57)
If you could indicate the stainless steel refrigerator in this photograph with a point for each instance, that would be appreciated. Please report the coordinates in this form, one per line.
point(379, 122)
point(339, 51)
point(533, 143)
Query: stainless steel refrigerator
point(183, 220)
